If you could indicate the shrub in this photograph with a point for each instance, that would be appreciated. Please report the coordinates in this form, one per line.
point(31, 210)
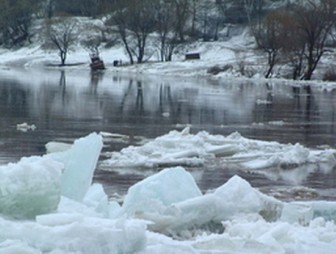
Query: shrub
point(330, 75)
point(214, 70)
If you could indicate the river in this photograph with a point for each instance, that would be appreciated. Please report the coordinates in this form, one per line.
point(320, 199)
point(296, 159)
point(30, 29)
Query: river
point(68, 104)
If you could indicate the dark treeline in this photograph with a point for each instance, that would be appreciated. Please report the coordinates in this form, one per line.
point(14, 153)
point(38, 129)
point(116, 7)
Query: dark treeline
point(191, 18)
point(295, 33)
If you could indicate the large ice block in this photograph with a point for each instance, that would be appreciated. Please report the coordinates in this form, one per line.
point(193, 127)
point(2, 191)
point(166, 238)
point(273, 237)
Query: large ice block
point(301, 213)
point(79, 162)
point(186, 149)
point(30, 187)
point(235, 197)
point(156, 192)
point(97, 199)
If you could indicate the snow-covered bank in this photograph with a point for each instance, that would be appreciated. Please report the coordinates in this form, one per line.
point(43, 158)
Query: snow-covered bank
point(233, 56)
point(212, 54)
point(234, 218)
point(228, 55)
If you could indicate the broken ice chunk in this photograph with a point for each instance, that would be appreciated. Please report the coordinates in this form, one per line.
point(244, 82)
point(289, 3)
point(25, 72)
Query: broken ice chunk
point(30, 187)
point(156, 192)
point(24, 127)
point(79, 165)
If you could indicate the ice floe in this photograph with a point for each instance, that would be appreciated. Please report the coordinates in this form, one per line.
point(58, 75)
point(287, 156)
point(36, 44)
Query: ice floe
point(30, 187)
point(24, 127)
point(164, 213)
point(187, 149)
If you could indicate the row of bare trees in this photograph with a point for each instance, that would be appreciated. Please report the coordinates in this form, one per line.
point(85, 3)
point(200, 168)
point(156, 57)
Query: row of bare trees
point(295, 33)
point(298, 36)
point(176, 21)
point(137, 20)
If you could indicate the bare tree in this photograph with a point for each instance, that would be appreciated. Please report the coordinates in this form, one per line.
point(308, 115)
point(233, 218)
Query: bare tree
point(254, 10)
point(300, 33)
point(315, 21)
point(293, 44)
point(195, 4)
point(164, 20)
point(121, 20)
point(15, 20)
point(142, 23)
point(61, 34)
point(182, 12)
point(270, 37)
point(135, 20)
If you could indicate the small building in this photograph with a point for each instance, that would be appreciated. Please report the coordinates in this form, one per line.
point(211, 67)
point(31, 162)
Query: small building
point(192, 56)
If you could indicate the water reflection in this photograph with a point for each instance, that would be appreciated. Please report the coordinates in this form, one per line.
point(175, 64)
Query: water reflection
point(157, 105)
point(65, 105)
point(220, 108)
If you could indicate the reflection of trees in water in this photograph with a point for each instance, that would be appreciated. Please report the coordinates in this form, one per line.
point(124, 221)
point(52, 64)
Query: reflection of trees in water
point(264, 110)
point(304, 103)
point(139, 99)
point(301, 108)
point(62, 84)
point(126, 94)
point(137, 103)
point(166, 103)
point(13, 98)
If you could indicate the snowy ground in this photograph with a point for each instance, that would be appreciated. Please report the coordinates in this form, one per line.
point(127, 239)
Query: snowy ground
point(212, 54)
point(232, 55)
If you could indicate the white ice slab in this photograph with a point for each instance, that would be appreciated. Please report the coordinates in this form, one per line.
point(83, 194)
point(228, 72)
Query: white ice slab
point(186, 149)
point(80, 163)
point(30, 187)
point(156, 192)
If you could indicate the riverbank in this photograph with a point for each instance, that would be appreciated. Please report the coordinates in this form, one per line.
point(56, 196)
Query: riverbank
point(236, 58)
point(224, 53)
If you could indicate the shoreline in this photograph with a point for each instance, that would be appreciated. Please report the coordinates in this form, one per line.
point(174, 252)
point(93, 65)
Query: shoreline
point(37, 59)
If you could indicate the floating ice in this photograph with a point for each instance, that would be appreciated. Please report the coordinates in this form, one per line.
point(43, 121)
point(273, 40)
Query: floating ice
point(297, 213)
point(79, 163)
point(234, 218)
point(175, 148)
point(30, 187)
point(72, 233)
point(184, 148)
point(53, 147)
point(24, 127)
point(259, 101)
point(173, 202)
point(34, 185)
point(321, 208)
point(253, 235)
point(97, 199)
point(242, 210)
point(155, 193)
point(233, 198)
point(107, 136)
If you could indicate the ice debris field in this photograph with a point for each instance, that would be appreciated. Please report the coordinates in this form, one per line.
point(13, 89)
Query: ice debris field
point(48, 204)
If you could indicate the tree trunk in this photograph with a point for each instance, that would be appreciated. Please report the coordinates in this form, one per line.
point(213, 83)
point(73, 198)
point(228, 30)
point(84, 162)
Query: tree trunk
point(63, 55)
